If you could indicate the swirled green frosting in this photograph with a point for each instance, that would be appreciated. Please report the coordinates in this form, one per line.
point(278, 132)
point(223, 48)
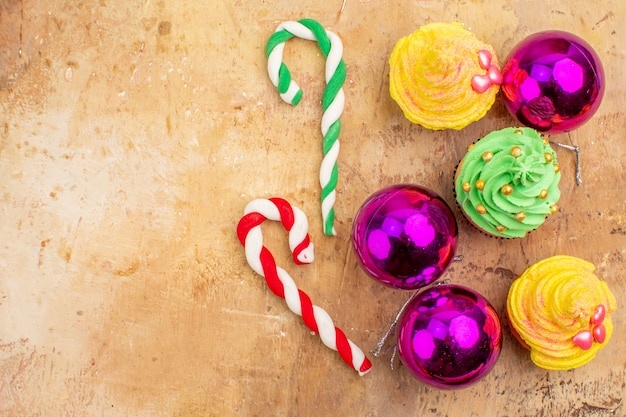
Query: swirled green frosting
point(508, 182)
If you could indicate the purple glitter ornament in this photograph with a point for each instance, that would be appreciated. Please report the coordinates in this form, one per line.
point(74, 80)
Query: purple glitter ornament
point(553, 82)
point(405, 236)
point(449, 336)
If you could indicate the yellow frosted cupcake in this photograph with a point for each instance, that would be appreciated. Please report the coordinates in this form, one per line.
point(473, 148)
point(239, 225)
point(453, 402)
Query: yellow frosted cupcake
point(561, 312)
point(443, 77)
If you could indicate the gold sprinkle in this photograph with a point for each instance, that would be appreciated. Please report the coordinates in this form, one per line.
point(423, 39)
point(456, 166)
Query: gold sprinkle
point(487, 156)
point(507, 189)
point(480, 184)
point(480, 209)
point(554, 208)
point(557, 168)
point(500, 228)
point(516, 151)
point(519, 131)
point(520, 216)
point(548, 156)
point(466, 187)
point(543, 194)
point(469, 148)
point(545, 140)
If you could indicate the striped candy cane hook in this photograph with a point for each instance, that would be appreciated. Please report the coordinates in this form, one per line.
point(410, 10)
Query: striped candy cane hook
point(332, 102)
point(281, 283)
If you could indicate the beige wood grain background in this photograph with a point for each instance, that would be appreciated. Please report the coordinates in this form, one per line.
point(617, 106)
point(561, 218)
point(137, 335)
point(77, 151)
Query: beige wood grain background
point(132, 135)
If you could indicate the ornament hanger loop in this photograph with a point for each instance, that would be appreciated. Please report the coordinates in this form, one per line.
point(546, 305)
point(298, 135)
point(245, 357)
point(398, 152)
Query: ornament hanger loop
point(576, 150)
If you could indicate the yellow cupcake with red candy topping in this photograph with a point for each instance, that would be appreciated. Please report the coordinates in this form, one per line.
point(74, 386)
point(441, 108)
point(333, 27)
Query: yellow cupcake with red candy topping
point(443, 77)
point(561, 311)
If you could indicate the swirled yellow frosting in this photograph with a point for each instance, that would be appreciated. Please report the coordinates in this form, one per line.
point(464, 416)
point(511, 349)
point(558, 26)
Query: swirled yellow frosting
point(431, 74)
point(555, 302)
point(508, 182)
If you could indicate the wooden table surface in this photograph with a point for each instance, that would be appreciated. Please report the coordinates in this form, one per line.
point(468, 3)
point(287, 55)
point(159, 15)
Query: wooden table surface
point(132, 135)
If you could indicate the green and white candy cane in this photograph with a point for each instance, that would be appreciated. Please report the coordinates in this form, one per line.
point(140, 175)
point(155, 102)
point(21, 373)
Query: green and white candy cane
point(333, 99)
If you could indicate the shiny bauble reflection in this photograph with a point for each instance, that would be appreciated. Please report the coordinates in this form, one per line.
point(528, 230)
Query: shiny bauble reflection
point(553, 81)
point(449, 336)
point(405, 236)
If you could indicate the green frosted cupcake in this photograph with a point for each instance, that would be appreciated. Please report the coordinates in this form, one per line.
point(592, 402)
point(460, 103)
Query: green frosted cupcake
point(508, 182)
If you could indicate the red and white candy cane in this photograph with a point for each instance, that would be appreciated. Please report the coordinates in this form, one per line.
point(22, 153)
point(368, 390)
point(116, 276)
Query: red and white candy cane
point(281, 283)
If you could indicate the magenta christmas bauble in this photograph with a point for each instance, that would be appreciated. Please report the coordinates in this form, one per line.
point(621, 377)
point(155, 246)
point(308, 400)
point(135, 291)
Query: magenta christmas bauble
point(449, 336)
point(405, 236)
point(553, 82)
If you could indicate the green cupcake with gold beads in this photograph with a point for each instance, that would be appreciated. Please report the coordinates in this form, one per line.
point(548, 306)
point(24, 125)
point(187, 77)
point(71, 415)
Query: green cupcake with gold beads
point(507, 183)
